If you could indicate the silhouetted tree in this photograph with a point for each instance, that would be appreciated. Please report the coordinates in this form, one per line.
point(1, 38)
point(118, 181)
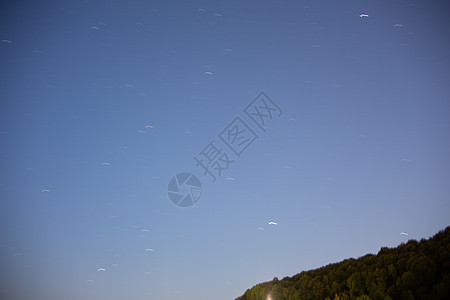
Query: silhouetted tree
point(415, 270)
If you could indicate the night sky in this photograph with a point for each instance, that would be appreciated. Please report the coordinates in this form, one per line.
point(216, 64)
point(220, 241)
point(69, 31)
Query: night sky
point(102, 103)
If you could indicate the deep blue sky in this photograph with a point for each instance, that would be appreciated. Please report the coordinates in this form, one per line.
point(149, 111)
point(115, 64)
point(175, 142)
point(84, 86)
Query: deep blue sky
point(360, 154)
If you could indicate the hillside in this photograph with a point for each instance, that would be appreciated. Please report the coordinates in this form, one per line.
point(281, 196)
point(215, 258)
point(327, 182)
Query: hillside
point(415, 270)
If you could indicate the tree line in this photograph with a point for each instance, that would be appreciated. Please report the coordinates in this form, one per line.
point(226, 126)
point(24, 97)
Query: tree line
point(415, 270)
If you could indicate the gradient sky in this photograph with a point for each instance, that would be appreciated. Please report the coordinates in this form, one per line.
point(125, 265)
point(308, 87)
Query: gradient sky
point(360, 154)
